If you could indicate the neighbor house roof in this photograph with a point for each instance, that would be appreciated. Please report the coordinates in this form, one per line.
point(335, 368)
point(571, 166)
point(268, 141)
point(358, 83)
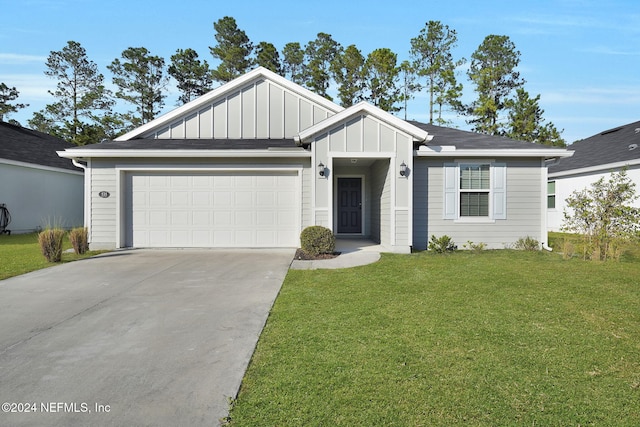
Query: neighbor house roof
point(449, 141)
point(607, 150)
point(19, 144)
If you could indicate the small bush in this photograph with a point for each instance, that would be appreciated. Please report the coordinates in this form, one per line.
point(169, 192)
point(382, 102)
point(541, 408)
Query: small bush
point(79, 240)
point(527, 244)
point(441, 244)
point(476, 247)
point(316, 240)
point(50, 241)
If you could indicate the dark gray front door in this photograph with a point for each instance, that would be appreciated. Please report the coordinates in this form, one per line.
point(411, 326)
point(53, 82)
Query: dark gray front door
point(350, 205)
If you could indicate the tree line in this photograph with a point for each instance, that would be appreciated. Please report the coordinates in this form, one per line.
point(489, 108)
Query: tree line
point(83, 107)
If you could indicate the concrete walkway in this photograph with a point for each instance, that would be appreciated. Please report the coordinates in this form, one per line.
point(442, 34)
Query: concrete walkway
point(353, 253)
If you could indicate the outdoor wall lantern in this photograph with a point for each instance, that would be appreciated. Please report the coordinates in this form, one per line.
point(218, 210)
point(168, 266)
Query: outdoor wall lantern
point(403, 169)
point(321, 169)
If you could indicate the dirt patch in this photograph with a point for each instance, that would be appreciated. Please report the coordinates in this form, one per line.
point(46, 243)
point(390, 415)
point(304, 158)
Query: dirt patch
point(302, 255)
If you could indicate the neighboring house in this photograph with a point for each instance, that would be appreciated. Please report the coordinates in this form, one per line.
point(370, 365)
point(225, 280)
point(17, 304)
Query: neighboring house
point(38, 187)
point(253, 162)
point(595, 157)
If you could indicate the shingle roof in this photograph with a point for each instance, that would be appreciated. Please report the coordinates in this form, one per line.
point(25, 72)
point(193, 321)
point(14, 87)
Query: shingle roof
point(29, 146)
point(615, 145)
point(463, 139)
point(193, 144)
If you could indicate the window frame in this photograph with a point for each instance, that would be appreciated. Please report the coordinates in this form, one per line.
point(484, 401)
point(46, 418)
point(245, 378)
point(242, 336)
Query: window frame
point(496, 192)
point(551, 195)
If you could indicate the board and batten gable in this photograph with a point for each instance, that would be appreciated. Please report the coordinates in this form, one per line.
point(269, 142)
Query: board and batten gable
point(261, 109)
point(525, 178)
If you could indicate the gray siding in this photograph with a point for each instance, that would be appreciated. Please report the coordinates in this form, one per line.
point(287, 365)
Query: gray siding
point(380, 202)
point(260, 109)
point(524, 210)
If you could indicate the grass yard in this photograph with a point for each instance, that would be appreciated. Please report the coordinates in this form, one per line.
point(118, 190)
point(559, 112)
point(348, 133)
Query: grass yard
point(20, 253)
point(494, 338)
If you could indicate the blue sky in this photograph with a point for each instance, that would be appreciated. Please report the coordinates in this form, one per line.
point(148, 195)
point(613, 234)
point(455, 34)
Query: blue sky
point(581, 56)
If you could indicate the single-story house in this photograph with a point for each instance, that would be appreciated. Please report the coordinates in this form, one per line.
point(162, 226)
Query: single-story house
point(255, 161)
point(37, 187)
point(595, 157)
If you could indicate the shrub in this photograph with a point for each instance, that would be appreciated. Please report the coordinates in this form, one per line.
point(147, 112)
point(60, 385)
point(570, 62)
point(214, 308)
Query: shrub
point(50, 241)
point(527, 244)
point(441, 244)
point(79, 240)
point(476, 247)
point(316, 240)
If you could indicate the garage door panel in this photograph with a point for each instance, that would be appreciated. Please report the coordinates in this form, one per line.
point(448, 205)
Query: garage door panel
point(228, 209)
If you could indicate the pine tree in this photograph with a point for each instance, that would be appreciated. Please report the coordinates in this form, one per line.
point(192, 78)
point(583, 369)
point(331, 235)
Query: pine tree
point(141, 80)
point(233, 50)
point(320, 54)
point(348, 71)
point(493, 71)
point(267, 56)
point(292, 62)
point(193, 76)
point(7, 96)
point(382, 79)
point(81, 97)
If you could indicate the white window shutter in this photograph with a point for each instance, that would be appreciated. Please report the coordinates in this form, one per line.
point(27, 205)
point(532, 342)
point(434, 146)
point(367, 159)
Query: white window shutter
point(499, 187)
point(450, 205)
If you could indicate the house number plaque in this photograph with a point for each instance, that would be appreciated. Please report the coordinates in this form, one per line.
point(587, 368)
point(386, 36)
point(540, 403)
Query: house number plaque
point(104, 194)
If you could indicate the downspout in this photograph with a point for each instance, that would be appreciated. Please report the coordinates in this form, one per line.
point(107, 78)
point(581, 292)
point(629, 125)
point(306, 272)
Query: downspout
point(545, 228)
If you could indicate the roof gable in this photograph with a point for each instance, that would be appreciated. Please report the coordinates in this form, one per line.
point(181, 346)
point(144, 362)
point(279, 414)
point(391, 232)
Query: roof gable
point(259, 104)
point(24, 145)
point(620, 145)
point(363, 109)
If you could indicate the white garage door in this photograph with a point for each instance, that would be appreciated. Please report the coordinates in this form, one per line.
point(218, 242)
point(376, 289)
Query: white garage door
point(225, 209)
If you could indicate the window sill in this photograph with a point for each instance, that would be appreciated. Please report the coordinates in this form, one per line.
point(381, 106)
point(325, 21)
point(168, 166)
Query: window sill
point(474, 220)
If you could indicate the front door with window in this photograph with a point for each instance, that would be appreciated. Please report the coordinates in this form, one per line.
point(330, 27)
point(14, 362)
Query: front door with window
point(350, 205)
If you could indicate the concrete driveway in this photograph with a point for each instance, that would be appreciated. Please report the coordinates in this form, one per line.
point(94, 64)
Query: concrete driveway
point(142, 337)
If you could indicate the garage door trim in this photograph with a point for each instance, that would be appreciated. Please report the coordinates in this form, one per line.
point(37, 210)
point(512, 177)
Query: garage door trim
point(123, 170)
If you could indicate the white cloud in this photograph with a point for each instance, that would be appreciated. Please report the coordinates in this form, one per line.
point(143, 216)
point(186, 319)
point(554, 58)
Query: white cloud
point(18, 58)
point(594, 96)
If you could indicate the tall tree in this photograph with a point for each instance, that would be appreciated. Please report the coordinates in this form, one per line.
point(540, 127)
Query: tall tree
point(320, 53)
point(267, 56)
point(448, 94)
point(526, 121)
point(7, 96)
point(433, 60)
point(233, 50)
point(493, 71)
point(193, 76)
point(409, 84)
point(382, 79)
point(141, 80)
point(293, 61)
point(348, 71)
point(80, 94)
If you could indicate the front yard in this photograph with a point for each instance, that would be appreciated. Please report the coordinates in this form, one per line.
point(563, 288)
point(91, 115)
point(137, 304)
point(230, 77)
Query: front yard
point(489, 338)
point(20, 253)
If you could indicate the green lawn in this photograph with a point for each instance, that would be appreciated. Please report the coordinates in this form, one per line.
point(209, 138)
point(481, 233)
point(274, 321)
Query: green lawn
point(20, 253)
point(496, 338)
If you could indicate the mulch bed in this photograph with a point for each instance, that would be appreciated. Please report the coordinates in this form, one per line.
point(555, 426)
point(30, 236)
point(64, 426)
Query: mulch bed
point(302, 255)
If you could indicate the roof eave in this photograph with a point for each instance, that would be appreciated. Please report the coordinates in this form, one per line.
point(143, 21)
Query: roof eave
point(505, 152)
point(149, 153)
point(597, 168)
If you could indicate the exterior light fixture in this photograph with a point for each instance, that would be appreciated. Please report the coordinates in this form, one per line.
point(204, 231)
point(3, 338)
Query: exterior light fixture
point(403, 169)
point(321, 169)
